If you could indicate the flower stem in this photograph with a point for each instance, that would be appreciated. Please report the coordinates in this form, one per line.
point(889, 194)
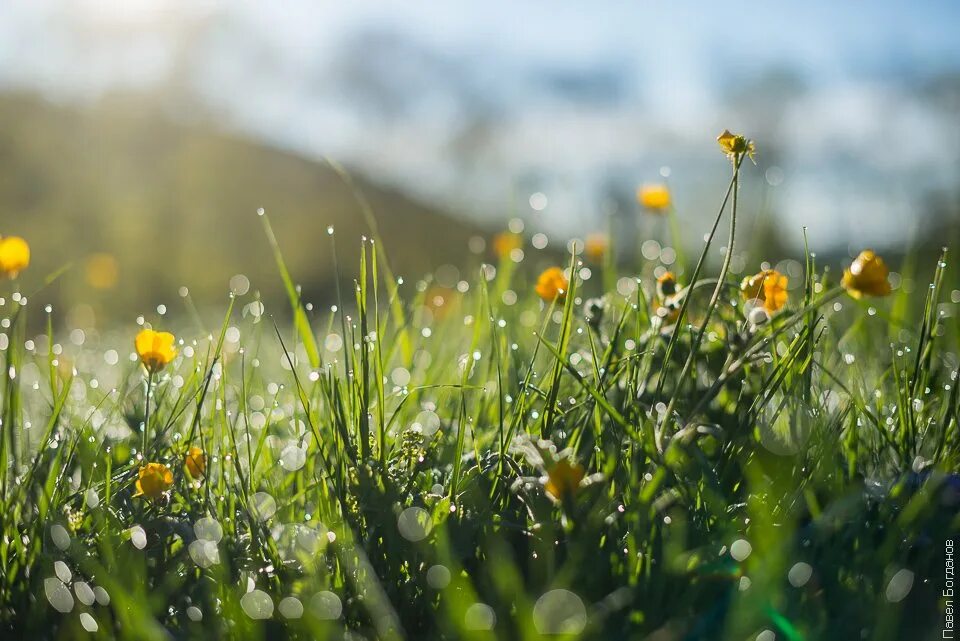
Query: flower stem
point(146, 416)
point(714, 299)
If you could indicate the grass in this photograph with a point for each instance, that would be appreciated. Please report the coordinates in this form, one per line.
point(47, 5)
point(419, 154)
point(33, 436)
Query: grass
point(380, 471)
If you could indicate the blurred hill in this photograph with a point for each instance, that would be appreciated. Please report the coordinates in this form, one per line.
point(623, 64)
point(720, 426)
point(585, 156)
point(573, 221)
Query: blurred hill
point(141, 206)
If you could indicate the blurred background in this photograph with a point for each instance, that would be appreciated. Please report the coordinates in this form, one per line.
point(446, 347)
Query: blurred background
point(138, 138)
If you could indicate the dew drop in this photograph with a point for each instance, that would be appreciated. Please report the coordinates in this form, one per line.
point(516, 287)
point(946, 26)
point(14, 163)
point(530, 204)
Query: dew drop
point(257, 604)
point(326, 605)
point(88, 622)
point(58, 595)
point(291, 608)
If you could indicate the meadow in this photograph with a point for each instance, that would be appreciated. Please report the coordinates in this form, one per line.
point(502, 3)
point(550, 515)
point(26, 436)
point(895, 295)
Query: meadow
point(695, 449)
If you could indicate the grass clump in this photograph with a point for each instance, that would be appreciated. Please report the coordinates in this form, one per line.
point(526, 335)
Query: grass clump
point(576, 455)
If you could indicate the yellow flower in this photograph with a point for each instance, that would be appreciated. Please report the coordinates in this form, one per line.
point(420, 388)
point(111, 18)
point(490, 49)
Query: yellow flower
point(155, 479)
point(552, 284)
point(196, 462)
point(768, 287)
point(656, 197)
point(14, 256)
point(563, 479)
point(867, 276)
point(155, 349)
point(735, 145)
point(666, 315)
point(666, 286)
point(102, 271)
point(441, 301)
point(596, 246)
point(505, 242)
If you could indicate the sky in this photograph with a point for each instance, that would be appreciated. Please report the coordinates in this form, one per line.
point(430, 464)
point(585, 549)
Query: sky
point(479, 105)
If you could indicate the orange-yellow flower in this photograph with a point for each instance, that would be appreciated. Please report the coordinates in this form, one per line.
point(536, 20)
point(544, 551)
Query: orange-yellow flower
point(196, 462)
point(14, 256)
point(735, 145)
point(666, 286)
point(563, 479)
point(655, 197)
point(769, 287)
point(867, 276)
point(441, 301)
point(552, 284)
point(102, 271)
point(666, 315)
point(155, 479)
point(505, 242)
point(596, 246)
point(155, 349)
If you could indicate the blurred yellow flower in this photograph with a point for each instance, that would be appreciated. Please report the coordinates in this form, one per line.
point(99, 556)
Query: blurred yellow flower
point(14, 256)
point(196, 462)
point(596, 246)
point(563, 479)
point(441, 301)
point(155, 349)
point(101, 271)
point(735, 145)
point(666, 315)
point(155, 479)
point(769, 287)
point(666, 286)
point(867, 276)
point(655, 197)
point(505, 242)
point(552, 284)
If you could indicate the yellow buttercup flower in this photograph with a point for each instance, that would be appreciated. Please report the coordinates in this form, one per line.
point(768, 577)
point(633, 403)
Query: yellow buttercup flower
point(735, 145)
point(563, 479)
point(655, 197)
point(441, 301)
point(102, 271)
point(155, 349)
point(505, 242)
point(666, 286)
point(596, 246)
point(769, 287)
point(155, 479)
point(196, 462)
point(14, 256)
point(867, 275)
point(552, 284)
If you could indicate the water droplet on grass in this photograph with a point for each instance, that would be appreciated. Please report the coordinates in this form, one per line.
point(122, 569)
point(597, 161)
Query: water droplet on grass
point(293, 457)
point(559, 612)
point(326, 605)
point(740, 549)
point(799, 574)
point(138, 537)
point(899, 586)
point(414, 524)
point(257, 604)
point(102, 596)
point(263, 506)
point(204, 553)
point(60, 536)
point(438, 577)
point(84, 592)
point(88, 622)
point(208, 529)
point(62, 571)
point(291, 608)
point(58, 595)
point(479, 616)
